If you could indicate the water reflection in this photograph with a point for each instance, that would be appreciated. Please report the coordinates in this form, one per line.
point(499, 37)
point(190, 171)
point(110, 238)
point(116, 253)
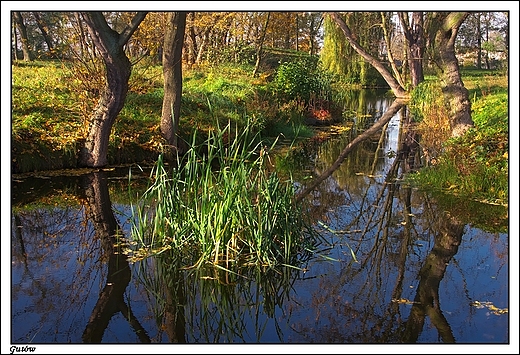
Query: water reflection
point(367, 298)
point(213, 305)
point(108, 232)
point(399, 265)
point(426, 302)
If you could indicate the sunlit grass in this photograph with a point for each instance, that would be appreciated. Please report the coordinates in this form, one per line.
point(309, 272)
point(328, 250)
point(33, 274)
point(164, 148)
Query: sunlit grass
point(52, 101)
point(222, 206)
point(476, 165)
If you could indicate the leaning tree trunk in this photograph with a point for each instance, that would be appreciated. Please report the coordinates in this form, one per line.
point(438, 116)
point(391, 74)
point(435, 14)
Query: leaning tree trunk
point(41, 25)
point(455, 94)
point(260, 44)
point(172, 71)
point(118, 69)
point(94, 153)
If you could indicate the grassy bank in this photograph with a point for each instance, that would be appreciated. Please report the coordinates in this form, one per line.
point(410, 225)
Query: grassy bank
point(476, 165)
point(51, 102)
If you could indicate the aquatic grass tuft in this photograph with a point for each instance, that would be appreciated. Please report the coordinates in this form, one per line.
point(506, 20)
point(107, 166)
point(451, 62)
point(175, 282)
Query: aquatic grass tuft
point(222, 206)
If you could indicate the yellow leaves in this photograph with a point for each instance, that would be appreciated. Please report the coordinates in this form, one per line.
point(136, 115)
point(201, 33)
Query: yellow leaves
point(368, 175)
point(489, 305)
point(403, 301)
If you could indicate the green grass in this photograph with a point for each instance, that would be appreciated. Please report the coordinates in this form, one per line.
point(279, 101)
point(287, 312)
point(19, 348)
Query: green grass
point(52, 101)
point(50, 106)
point(46, 120)
point(476, 165)
point(223, 207)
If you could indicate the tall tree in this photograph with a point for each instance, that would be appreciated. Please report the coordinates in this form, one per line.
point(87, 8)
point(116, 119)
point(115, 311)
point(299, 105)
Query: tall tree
point(15, 41)
point(315, 20)
point(172, 71)
point(415, 36)
point(192, 37)
point(341, 58)
point(45, 33)
point(388, 35)
point(441, 31)
point(22, 30)
point(110, 45)
point(259, 42)
point(442, 28)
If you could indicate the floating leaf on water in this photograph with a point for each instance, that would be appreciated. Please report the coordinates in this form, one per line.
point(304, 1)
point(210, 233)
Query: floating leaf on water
point(404, 301)
point(490, 306)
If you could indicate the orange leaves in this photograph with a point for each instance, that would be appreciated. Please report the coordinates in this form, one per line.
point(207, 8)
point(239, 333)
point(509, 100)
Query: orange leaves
point(320, 114)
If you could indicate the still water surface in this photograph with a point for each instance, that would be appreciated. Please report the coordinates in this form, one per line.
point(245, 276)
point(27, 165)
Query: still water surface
point(398, 265)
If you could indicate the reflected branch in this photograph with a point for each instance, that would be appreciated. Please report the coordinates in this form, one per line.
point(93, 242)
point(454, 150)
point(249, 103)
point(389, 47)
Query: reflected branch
point(392, 110)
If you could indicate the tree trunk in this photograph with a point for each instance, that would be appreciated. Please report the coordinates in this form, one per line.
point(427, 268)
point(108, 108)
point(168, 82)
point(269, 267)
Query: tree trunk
point(15, 42)
point(203, 45)
point(27, 55)
point(192, 49)
point(415, 37)
point(397, 89)
point(297, 32)
point(41, 26)
point(260, 45)
point(393, 65)
point(455, 94)
point(172, 71)
point(385, 118)
point(479, 42)
point(118, 68)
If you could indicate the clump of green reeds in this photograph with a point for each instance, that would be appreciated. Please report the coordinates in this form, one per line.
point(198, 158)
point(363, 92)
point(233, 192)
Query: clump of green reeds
point(222, 206)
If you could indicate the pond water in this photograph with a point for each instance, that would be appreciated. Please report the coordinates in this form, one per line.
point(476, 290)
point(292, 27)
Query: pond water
point(397, 265)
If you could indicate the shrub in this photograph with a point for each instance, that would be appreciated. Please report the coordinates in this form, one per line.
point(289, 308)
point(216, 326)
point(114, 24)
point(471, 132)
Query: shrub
point(302, 79)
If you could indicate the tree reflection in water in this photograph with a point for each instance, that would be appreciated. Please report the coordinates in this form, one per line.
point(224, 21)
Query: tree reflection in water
point(358, 303)
point(111, 299)
point(214, 305)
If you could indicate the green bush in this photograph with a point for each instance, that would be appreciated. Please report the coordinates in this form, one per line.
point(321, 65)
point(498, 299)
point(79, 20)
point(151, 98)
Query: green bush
point(302, 79)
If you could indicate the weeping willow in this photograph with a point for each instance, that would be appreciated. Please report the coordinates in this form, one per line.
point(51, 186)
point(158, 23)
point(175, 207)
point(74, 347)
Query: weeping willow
point(338, 57)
